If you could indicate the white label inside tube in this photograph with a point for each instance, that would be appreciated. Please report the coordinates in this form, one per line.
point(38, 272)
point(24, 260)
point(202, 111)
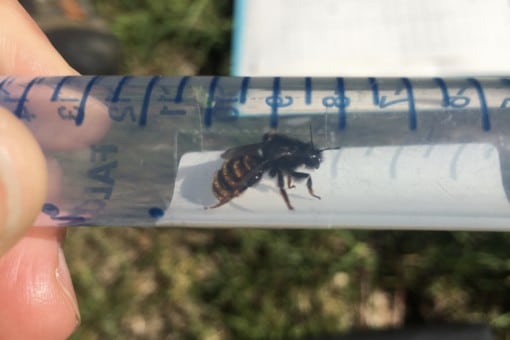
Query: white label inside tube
point(425, 186)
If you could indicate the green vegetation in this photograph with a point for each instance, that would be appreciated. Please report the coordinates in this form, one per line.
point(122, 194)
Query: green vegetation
point(262, 284)
point(172, 37)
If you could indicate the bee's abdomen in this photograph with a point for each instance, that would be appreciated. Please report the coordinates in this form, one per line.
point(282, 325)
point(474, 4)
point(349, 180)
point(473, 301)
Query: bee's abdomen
point(235, 176)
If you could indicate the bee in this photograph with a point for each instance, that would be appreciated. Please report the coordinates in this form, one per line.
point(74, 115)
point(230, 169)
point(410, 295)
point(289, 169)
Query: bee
point(277, 155)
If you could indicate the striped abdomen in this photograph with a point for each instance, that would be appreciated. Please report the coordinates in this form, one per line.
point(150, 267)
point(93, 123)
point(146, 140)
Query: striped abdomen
point(235, 176)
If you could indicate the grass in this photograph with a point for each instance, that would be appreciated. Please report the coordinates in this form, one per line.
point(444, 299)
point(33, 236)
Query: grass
point(260, 284)
point(172, 37)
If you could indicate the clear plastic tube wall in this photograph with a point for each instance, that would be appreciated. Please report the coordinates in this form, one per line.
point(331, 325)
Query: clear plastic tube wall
point(144, 151)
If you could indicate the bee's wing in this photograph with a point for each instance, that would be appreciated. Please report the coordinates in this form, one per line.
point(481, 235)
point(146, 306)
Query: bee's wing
point(256, 173)
point(249, 149)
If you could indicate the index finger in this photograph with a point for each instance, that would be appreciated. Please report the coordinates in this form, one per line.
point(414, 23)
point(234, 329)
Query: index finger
point(25, 49)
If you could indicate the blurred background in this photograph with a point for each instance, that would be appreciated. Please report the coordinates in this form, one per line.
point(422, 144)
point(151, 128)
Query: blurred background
point(252, 284)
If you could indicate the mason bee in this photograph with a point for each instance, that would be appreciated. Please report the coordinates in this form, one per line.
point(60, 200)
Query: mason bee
point(277, 154)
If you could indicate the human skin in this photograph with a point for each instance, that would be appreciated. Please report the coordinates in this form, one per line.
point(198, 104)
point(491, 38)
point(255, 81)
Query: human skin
point(37, 299)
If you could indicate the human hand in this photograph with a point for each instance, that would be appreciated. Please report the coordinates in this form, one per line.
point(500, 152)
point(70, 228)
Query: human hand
point(37, 299)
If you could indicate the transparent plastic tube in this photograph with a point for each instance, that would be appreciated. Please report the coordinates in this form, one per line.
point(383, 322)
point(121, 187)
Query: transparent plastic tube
point(143, 151)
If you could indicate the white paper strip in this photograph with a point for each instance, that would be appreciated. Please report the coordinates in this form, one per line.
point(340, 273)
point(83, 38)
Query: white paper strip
point(441, 186)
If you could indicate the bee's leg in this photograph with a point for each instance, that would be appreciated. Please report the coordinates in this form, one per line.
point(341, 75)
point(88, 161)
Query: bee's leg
point(289, 182)
point(224, 199)
point(309, 186)
point(219, 204)
point(302, 175)
point(281, 185)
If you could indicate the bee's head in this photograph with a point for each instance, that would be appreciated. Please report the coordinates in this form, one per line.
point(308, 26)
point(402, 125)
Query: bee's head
point(313, 157)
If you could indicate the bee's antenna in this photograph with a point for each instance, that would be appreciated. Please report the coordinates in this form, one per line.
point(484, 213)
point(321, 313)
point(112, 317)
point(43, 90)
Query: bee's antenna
point(311, 135)
point(331, 148)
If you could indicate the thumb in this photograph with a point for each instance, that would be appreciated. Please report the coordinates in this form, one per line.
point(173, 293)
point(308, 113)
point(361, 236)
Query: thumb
point(36, 293)
point(23, 178)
